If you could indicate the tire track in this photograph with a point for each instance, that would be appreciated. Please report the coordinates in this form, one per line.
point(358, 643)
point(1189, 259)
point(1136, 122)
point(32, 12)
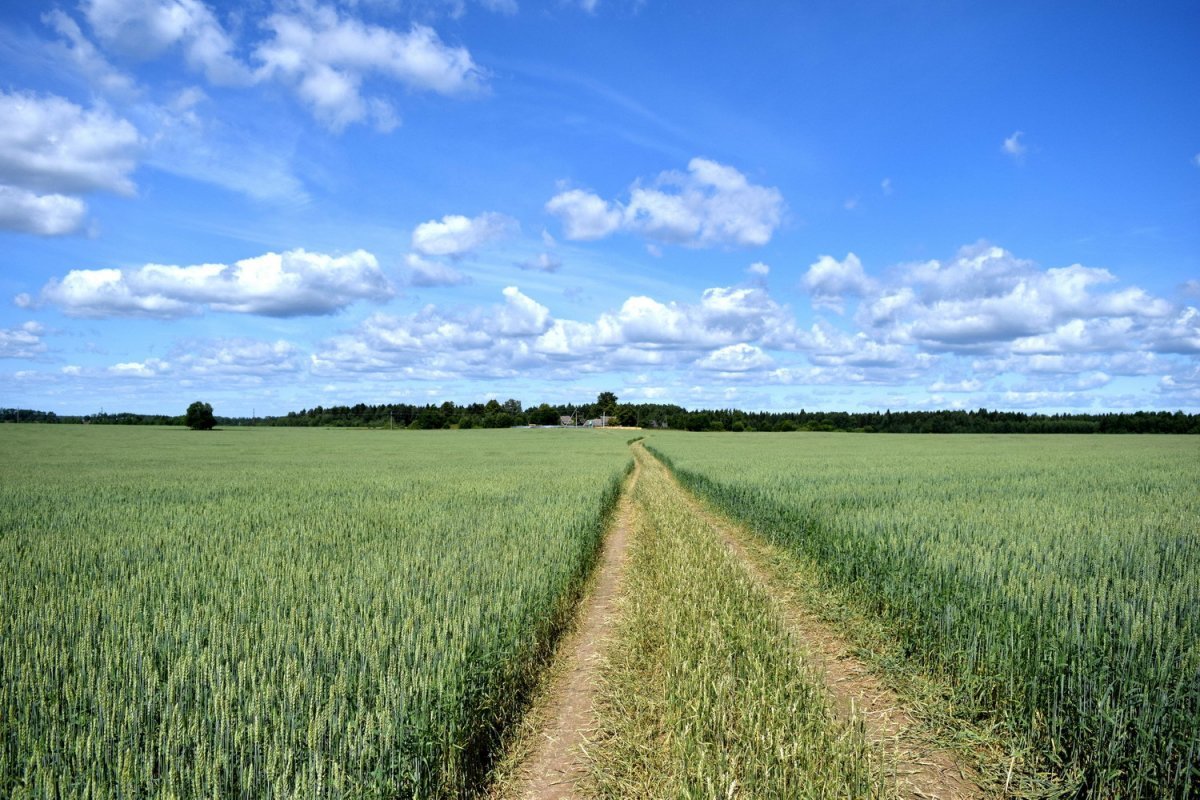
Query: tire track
point(918, 767)
point(557, 766)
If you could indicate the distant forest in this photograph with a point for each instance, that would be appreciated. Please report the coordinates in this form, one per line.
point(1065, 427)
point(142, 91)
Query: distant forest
point(511, 413)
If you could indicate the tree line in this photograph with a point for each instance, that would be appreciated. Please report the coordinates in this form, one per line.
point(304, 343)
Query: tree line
point(511, 412)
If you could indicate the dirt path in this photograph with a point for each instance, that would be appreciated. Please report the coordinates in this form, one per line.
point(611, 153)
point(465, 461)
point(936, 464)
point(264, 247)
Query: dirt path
point(920, 768)
point(556, 766)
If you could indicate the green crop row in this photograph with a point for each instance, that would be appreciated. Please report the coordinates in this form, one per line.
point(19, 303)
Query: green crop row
point(1054, 582)
point(703, 694)
point(280, 613)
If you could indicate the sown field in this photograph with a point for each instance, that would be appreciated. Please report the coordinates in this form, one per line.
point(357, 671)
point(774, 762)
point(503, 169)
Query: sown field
point(281, 613)
point(1052, 582)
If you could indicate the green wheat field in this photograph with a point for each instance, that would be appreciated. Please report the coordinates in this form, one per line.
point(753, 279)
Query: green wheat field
point(364, 614)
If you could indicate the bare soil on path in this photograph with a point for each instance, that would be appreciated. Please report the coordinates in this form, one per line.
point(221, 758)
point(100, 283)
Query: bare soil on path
point(556, 767)
point(918, 766)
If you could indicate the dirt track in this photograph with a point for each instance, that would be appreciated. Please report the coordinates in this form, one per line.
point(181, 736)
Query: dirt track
point(557, 766)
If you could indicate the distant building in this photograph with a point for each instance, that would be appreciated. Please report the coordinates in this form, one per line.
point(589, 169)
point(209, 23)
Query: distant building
point(565, 421)
point(600, 422)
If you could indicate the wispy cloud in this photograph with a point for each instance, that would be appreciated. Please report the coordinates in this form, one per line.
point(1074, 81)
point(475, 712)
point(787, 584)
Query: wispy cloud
point(1014, 148)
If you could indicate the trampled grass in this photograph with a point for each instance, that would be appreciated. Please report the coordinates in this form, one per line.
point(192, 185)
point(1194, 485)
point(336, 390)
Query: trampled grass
point(281, 613)
point(704, 695)
point(1054, 582)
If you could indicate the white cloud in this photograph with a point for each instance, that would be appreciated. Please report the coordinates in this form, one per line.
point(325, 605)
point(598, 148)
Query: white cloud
point(52, 150)
point(423, 272)
point(236, 357)
point(831, 347)
point(712, 204)
point(23, 341)
point(885, 186)
point(1013, 147)
point(521, 336)
point(1180, 335)
point(44, 215)
point(644, 329)
point(456, 235)
point(830, 281)
point(759, 269)
point(735, 358)
point(521, 315)
point(147, 28)
point(964, 386)
point(294, 283)
point(1183, 386)
point(1196, 159)
point(585, 215)
point(986, 299)
point(1080, 335)
point(975, 323)
point(150, 368)
point(326, 57)
point(1092, 380)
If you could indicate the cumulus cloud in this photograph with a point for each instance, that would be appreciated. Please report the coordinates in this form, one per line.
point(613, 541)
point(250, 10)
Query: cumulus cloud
point(723, 316)
point(1080, 336)
point(830, 281)
point(425, 273)
point(236, 358)
point(294, 283)
point(831, 347)
point(1181, 387)
point(736, 358)
point(326, 57)
point(50, 143)
point(712, 204)
point(1180, 335)
point(986, 299)
point(147, 28)
point(726, 330)
point(23, 341)
point(41, 214)
point(520, 315)
point(150, 368)
point(51, 151)
point(969, 328)
point(456, 235)
point(585, 216)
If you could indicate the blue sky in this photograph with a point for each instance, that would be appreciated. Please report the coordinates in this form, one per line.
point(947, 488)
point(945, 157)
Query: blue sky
point(279, 204)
